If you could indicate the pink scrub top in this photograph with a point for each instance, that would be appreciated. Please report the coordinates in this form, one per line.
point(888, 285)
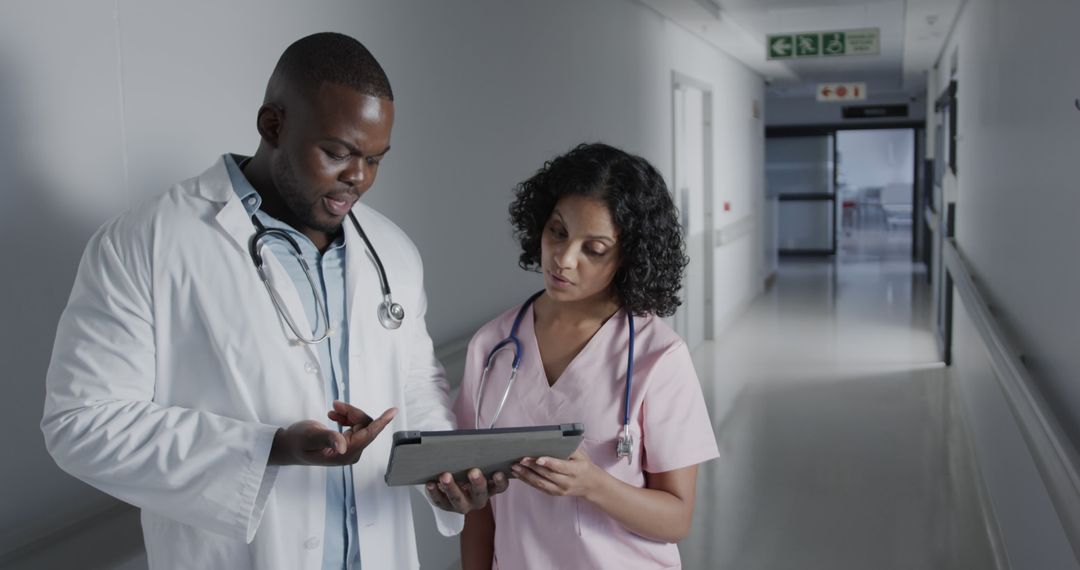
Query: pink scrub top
point(669, 422)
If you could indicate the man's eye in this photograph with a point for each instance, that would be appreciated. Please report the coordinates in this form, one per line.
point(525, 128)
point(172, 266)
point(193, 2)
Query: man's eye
point(373, 160)
point(336, 156)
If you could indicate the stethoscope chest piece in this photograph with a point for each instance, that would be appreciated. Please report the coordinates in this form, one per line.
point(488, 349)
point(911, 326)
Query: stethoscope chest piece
point(391, 314)
point(625, 446)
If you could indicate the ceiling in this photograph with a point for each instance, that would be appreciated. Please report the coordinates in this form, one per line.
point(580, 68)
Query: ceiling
point(911, 35)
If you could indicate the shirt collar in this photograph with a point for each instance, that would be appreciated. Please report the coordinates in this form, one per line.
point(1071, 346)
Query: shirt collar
point(252, 201)
point(247, 194)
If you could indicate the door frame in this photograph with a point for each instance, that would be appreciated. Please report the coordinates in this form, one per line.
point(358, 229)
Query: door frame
point(678, 81)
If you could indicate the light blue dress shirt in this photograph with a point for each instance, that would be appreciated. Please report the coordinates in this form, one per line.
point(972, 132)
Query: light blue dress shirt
point(341, 546)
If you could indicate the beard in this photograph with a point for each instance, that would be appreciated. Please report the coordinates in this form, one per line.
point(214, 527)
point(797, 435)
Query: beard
point(304, 206)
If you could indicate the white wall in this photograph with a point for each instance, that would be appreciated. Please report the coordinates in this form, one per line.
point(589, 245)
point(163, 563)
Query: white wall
point(117, 99)
point(1017, 203)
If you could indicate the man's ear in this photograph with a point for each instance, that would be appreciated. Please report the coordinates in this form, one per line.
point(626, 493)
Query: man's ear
point(270, 121)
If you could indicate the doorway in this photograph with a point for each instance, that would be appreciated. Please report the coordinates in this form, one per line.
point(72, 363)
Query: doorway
point(875, 185)
point(692, 191)
point(846, 189)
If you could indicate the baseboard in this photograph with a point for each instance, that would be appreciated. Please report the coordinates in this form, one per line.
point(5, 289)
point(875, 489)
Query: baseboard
point(770, 280)
point(63, 535)
point(983, 502)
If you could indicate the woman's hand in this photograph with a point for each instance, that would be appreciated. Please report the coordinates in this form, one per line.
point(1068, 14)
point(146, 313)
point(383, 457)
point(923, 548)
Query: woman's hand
point(577, 476)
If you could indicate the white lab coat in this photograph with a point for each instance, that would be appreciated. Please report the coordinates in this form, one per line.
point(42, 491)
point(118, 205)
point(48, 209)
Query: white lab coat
point(171, 373)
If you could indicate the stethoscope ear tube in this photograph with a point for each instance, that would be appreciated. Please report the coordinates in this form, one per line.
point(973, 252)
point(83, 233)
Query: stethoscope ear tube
point(625, 446)
point(322, 312)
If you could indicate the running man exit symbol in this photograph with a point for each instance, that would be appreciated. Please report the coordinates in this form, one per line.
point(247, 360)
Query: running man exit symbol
point(807, 44)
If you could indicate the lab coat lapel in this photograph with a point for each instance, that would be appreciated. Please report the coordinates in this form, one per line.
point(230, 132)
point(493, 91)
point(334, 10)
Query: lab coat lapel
point(371, 372)
point(214, 184)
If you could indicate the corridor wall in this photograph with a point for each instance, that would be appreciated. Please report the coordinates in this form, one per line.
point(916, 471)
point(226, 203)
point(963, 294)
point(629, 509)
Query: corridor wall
point(1017, 198)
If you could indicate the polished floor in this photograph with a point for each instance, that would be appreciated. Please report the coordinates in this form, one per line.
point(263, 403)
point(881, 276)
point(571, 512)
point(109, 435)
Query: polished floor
point(829, 403)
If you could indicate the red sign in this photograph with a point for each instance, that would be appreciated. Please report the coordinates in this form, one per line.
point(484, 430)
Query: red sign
point(841, 92)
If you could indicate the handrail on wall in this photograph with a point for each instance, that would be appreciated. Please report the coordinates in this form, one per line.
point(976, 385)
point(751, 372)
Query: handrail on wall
point(734, 231)
point(1055, 457)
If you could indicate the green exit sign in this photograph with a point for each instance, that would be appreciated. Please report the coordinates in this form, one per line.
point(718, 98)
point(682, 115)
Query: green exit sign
point(823, 44)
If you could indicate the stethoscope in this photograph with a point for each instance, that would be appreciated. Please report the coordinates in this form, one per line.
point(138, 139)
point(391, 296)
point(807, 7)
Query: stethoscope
point(391, 314)
point(625, 445)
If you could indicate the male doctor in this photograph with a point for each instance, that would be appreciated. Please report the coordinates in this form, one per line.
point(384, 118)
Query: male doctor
point(181, 385)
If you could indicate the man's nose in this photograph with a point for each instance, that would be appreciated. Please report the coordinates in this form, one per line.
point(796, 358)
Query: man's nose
point(356, 174)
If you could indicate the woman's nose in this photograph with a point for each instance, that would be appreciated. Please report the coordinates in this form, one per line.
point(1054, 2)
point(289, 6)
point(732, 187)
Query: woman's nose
point(565, 257)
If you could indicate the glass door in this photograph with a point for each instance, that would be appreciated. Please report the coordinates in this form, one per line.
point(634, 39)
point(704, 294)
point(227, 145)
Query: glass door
point(801, 174)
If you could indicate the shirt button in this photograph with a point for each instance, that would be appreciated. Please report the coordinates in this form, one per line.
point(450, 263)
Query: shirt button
point(310, 367)
point(251, 201)
point(312, 543)
point(352, 510)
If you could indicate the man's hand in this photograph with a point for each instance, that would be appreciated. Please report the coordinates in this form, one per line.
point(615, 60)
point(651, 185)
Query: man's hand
point(449, 495)
point(309, 442)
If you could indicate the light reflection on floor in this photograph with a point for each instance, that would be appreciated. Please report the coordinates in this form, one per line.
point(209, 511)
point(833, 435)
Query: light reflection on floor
point(829, 404)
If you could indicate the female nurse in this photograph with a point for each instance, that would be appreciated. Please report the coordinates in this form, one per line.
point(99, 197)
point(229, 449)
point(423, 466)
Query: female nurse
point(600, 225)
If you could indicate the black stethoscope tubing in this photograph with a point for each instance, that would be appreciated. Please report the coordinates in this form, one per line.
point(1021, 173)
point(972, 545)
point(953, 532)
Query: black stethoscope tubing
point(390, 314)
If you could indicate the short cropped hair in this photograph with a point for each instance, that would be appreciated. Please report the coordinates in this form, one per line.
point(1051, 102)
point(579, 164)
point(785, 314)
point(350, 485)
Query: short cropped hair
point(650, 241)
point(333, 58)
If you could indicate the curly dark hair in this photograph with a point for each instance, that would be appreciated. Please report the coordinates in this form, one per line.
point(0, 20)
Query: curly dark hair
point(653, 255)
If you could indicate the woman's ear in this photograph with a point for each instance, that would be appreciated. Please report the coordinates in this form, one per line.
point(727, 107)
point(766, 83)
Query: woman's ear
point(270, 121)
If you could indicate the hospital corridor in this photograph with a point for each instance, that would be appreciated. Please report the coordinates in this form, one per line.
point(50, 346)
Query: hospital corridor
point(540, 284)
point(833, 451)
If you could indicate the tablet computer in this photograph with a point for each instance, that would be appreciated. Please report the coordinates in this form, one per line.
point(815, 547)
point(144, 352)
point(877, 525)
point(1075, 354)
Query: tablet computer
point(421, 456)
